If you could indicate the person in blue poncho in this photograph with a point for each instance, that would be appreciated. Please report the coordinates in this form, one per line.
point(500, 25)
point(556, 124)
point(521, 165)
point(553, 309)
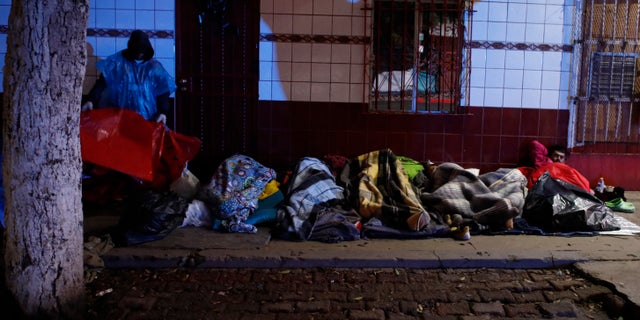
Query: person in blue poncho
point(132, 79)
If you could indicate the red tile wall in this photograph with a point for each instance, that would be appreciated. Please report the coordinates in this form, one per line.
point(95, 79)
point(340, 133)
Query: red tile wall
point(485, 138)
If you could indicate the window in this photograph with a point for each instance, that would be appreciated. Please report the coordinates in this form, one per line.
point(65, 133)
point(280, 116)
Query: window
point(418, 53)
point(612, 75)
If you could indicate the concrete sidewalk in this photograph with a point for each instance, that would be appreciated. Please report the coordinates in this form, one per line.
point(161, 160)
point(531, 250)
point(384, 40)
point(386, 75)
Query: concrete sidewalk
point(612, 259)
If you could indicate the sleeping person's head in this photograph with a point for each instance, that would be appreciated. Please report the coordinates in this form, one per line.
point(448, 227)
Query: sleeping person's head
point(558, 153)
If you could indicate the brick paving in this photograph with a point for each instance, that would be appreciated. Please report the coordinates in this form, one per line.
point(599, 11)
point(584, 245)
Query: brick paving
point(358, 294)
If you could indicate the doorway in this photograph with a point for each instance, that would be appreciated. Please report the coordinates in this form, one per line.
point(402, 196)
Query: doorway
point(217, 76)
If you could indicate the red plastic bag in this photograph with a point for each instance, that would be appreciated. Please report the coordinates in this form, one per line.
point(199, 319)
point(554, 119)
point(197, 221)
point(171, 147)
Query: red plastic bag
point(122, 140)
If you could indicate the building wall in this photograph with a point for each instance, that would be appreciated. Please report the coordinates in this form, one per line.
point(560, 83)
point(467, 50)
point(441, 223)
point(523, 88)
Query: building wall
point(313, 59)
point(110, 23)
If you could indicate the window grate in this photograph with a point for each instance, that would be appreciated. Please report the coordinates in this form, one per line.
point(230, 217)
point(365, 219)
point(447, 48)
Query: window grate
point(419, 56)
point(612, 75)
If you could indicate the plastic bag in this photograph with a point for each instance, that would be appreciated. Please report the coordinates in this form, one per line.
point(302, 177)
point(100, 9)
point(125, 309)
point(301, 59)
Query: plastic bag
point(555, 205)
point(121, 140)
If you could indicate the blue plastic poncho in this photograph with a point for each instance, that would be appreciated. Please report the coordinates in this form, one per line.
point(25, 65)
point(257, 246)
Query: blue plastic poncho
point(132, 85)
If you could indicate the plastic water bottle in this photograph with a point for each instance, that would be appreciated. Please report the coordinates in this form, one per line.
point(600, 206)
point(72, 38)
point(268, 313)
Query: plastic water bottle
point(600, 187)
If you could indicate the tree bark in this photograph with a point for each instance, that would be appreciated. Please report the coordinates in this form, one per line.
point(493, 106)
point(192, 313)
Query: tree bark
point(44, 68)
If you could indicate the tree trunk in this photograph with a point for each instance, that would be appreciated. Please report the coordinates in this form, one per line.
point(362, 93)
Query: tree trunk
point(44, 69)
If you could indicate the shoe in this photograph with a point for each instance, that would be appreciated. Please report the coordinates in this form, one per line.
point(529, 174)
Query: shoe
point(620, 205)
point(461, 233)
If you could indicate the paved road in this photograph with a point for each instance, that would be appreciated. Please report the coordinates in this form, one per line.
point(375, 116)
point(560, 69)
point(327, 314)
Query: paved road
point(327, 293)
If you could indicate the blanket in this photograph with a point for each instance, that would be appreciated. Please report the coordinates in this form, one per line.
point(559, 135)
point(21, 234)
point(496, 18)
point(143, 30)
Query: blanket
point(309, 211)
point(377, 185)
point(491, 199)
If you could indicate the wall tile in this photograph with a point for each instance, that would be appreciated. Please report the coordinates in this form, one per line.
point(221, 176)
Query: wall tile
point(494, 78)
point(340, 53)
point(434, 147)
point(478, 59)
point(513, 78)
point(321, 52)
point(512, 98)
point(105, 18)
point(283, 23)
point(341, 26)
point(357, 93)
point(477, 78)
point(511, 121)
point(554, 14)
point(145, 5)
point(167, 5)
point(533, 60)
point(164, 48)
point(302, 24)
point(344, 8)
point(552, 61)
point(534, 33)
point(164, 20)
point(283, 6)
point(492, 121)
point(145, 20)
point(498, 11)
point(126, 19)
point(104, 4)
point(516, 12)
point(105, 46)
point(301, 52)
point(515, 32)
point(301, 72)
point(514, 59)
point(548, 117)
point(320, 72)
point(321, 25)
point(531, 98)
point(454, 147)
point(535, 13)
point(509, 150)
point(322, 7)
point(125, 4)
point(495, 58)
point(358, 74)
point(490, 149)
point(283, 51)
point(481, 13)
point(476, 96)
point(340, 73)
point(532, 79)
point(550, 80)
point(493, 97)
point(320, 92)
point(479, 31)
point(415, 146)
point(496, 31)
point(472, 149)
point(284, 69)
point(549, 99)
point(302, 7)
point(529, 122)
point(264, 90)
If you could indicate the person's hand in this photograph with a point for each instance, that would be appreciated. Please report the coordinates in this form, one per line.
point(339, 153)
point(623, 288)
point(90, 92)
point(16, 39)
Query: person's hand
point(161, 118)
point(87, 106)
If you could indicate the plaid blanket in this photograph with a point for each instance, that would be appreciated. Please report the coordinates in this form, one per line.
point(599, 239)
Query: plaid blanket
point(378, 186)
point(490, 199)
point(311, 190)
